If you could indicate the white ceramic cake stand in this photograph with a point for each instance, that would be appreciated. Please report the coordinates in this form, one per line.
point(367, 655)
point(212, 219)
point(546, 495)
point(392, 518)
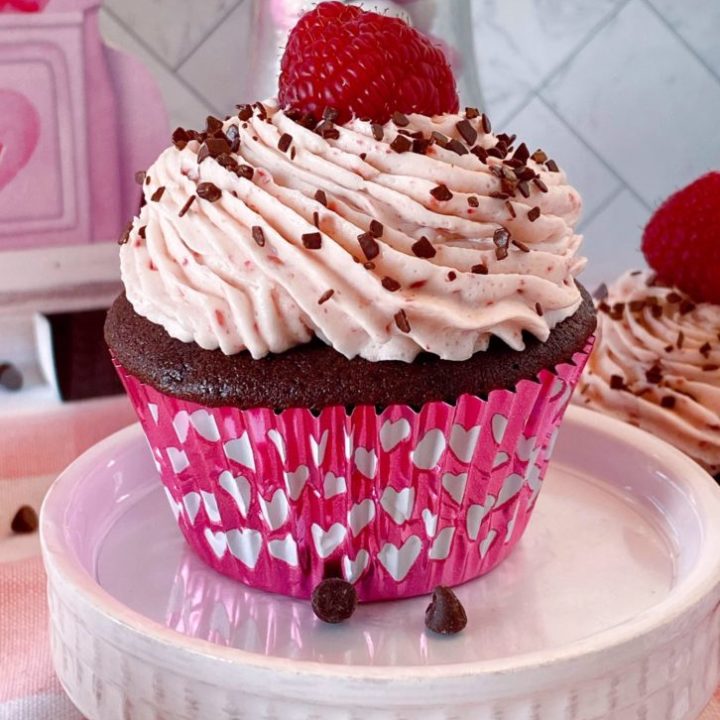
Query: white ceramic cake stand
point(609, 608)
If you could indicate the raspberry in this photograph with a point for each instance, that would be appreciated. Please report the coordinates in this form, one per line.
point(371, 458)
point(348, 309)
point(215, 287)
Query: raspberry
point(682, 240)
point(364, 65)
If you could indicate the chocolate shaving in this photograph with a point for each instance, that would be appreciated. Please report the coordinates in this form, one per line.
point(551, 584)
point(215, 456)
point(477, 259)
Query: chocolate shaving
point(680, 340)
point(258, 235)
point(376, 229)
point(441, 193)
point(246, 112)
point(656, 311)
point(369, 246)
point(325, 296)
point(421, 145)
point(654, 375)
point(471, 113)
point(472, 201)
point(228, 162)
point(423, 248)
point(142, 231)
point(539, 156)
point(520, 245)
point(617, 382)
point(510, 209)
point(480, 269)
point(498, 195)
point(533, 214)
point(186, 206)
point(668, 401)
point(552, 166)
point(378, 131)
point(180, 138)
point(140, 177)
point(480, 153)
point(539, 309)
point(316, 218)
point(401, 320)
point(673, 298)
point(452, 275)
point(208, 191)
point(705, 349)
point(390, 284)
point(524, 189)
point(331, 114)
point(440, 139)
point(245, 171)
point(25, 521)
point(486, 125)
point(400, 120)
point(540, 184)
point(285, 142)
point(123, 239)
point(312, 241)
point(321, 197)
point(522, 153)
point(467, 131)
point(686, 306)
point(457, 147)
point(213, 125)
point(401, 144)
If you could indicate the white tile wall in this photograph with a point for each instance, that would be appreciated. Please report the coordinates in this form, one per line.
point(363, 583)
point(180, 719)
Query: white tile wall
point(624, 93)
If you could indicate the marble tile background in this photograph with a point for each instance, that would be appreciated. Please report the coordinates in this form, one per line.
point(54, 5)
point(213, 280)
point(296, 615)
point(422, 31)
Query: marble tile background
point(624, 93)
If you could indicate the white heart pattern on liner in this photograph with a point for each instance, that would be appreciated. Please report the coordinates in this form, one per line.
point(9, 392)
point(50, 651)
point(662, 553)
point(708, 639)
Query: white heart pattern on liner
point(430, 522)
point(500, 459)
point(511, 525)
point(245, 545)
point(557, 389)
point(279, 442)
point(443, 542)
point(178, 459)
point(205, 425)
point(238, 488)
point(525, 447)
point(463, 442)
point(487, 541)
point(499, 426)
point(476, 514)
point(552, 442)
point(327, 541)
point(318, 449)
point(295, 481)
point(366, 462)
point(157, 458)
point(393, 433)
point(398, 505)
point(334, 485)
point(192, 501)
point(285, 550)
point(429, 450)
point(348, 446)
point(353, 569)
point(181, 423)
point(534, 482)
point(240, 451)
point(275, 511)
point(360, 515)
point(153, 408)
point(211, 506)
point(399, 561)
point(175, 506)
point(217, 542)
point(511, 487)
point(455, 486)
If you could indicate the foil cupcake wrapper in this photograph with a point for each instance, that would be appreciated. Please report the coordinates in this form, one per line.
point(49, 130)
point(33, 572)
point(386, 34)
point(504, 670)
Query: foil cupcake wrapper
point(397, 500)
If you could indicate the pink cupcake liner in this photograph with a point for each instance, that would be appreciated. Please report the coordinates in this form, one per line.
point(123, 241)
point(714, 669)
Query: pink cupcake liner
point(396, 501)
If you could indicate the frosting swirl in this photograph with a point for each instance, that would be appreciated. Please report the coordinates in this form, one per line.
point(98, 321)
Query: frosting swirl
point(340, 232)
point(657, 365)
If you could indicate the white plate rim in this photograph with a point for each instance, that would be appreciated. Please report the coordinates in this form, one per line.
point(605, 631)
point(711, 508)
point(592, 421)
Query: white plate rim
point(701, 586)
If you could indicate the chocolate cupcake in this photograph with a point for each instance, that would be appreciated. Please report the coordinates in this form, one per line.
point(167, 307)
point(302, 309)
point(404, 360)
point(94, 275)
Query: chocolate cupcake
point(350, 344)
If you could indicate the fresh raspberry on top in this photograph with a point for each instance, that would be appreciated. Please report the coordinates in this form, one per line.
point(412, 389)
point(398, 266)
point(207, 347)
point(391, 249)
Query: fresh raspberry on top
point(363, 65)
point(682, 240)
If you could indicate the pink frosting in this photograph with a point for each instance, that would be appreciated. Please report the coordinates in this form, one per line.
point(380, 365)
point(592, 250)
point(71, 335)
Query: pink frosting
point(205, 279)
point(664, 365)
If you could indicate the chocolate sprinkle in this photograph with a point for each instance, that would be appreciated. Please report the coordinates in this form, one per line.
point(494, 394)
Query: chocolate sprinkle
point(390, 284)
point(668, 402)
point(479, 269)
point(325, 297)
point(617, 382)
point(521, 245)
point(284, 142)
point(400, 120)
point(378, 131)
point(401, 320)
point(441, 193)
point(452, 275)
point(126, 234)
point(467, 131)
point(472, 201)
point(208, 191)
point(423, 248)
point(369, 245)
point(401, 144)
point(25, 521)
point(445, 614)
point(680, 340)
point(457, 147)
point(440, 139)
point(498, 195)
point(539, 309)
point(312, 241)
point(552, 166)
point(334, 600)
point(186, 206)
point(486, 125)
point(258, 235)
point(524, 188)
point(480, 153)
point(510, 209)
point(321, 197)
point(316, 219)
point(540, 184)
point(533, 214)
point(376, 229)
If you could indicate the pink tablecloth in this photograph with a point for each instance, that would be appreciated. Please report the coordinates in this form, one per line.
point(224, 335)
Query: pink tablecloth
point(33, 449)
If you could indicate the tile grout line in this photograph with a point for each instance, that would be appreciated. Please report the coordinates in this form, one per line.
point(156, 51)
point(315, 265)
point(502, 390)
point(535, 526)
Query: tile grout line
point(207, 35)
point(157, 58)
point(682, 40)
point(597, 155)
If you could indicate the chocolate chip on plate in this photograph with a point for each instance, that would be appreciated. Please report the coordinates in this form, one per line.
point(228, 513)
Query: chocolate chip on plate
point(334, 600)
point(10, 377)
point(25, 521)
point(445, 615)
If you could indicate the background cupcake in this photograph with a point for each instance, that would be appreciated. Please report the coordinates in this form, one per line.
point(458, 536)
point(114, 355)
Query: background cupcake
point(350, 342)
point(657, 364)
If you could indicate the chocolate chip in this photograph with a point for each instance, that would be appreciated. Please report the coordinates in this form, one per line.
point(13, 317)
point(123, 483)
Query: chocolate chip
point(656, 311)
point(423, 248)
point(334, 600)
point(510, 209)
point(246, 112)
point(457, 147)
point(452, 276)
point(445, 615)
point(141, 231)
point(376, 229)
point(467, 131)
point(524, 188)
point(258, 235)
point(472, 201)
point(480, 269)
point(501, 238)
point(122, 240)
point(485, 122)
point(401, 320)
point(157, 195)
point(325, 296)
point(441, 193)
point(10, 377)
point(668, 402)
point(180, 138)
point(321, 197)
point(654, 375)
point(440, 139)
point(498, 195)
point(262, 110)
point(215, 147)
point(533, 214)
point(212, 125)
point(521, 245)
point(617, 382)
point(552, 166)
point(540, 185)
point(233, 137)
point(312, 241)
point(522, 153)
point(25, 521)
point(390, 284)
point(471, 113)
point(539, 309)
point(284, 142)
point(539, 156)
point(326, 130)
point(186, 206)
point(710, 368)
point(378, 131)
point(400, 120)
point(401, 144)
point(208, 191)
point(369, 246)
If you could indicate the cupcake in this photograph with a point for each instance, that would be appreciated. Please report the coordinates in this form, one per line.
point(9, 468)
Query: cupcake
point(657, 364)
point(350, 325)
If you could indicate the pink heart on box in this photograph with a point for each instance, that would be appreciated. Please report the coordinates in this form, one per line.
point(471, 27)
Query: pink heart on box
point(23, 5)
point(19, 134)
